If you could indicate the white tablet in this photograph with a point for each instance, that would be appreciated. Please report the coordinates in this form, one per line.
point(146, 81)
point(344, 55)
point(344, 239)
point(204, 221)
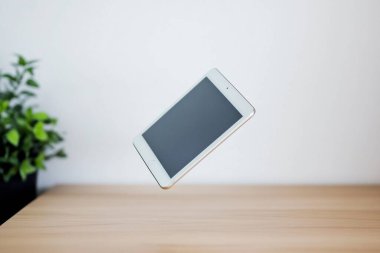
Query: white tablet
point(190, 129)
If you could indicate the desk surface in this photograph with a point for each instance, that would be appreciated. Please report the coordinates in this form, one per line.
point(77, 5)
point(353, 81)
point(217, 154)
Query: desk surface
point(197, 219)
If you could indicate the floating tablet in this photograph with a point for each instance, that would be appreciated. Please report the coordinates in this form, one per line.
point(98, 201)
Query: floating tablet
point(194, 126)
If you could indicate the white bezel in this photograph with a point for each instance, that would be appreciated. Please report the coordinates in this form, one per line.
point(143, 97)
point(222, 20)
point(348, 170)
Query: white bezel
point(236, 99)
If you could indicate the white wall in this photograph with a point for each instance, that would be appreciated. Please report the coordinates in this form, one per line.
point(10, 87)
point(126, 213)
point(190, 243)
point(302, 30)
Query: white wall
point(311, 68)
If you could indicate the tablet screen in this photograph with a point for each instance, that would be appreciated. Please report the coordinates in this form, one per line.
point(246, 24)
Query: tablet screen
point(190, 126)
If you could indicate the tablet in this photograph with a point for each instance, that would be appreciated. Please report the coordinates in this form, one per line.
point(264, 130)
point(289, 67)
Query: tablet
point(191, 128)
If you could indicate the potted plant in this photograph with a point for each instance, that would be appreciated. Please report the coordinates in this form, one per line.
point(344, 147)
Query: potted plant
point(27, 138)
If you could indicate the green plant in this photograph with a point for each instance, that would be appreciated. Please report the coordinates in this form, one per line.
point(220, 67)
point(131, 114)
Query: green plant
point(27, 135)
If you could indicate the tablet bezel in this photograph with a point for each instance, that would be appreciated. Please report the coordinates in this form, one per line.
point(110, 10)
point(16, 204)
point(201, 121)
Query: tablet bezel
point(230, 93)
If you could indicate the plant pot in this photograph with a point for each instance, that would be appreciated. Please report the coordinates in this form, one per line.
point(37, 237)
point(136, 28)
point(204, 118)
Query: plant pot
point(16, 194)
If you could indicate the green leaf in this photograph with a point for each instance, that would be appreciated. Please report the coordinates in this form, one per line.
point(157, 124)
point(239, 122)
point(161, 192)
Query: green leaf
point(9, 160)
point(29, 114)
point(21, 61)
point(31, 62)
point(13, 160)
point(41, 116)
point(21, 122)
point(54, 137)
point(52, 121)
point(27, 93)
point(26, 169)
point(30, 70)
point(27, 144)
point(7, 120)
point(32, 83)
point(39, 131)
point(60, 153)
point(10, 174)
point(18, 108)
point(3, 105)
point(13, 137)
point(10, 77)
point(39, 161)
point(7, 95)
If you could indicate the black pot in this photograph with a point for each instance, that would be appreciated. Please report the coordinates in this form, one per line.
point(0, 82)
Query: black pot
point(16, 194)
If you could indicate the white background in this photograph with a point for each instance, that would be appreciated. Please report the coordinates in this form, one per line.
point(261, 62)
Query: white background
point(108, 68)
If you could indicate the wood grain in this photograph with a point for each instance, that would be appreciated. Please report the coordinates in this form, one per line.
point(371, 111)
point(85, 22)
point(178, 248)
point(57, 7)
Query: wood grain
point(198, 219)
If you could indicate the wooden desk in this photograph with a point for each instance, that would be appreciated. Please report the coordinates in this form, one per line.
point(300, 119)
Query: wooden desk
point(197, 219)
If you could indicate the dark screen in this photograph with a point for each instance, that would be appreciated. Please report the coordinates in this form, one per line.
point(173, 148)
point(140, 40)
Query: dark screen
point(190, 126)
